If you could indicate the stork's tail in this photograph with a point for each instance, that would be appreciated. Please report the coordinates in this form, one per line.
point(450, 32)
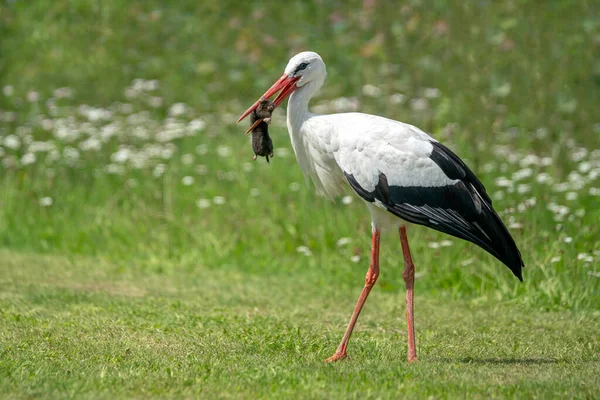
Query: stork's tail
point(500, 243)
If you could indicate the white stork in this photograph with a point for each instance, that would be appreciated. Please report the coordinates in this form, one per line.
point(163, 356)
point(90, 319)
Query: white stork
point(402, 174)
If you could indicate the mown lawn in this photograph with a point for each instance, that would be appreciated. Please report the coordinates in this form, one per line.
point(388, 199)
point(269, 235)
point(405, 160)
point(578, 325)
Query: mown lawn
point(101, 331)
point(143, 253)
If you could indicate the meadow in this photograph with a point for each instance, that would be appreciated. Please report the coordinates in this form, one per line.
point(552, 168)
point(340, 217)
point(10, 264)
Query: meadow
point(144, 254)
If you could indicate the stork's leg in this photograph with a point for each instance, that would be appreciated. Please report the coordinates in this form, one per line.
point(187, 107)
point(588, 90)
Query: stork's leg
point(370, 280)
point(409, 281)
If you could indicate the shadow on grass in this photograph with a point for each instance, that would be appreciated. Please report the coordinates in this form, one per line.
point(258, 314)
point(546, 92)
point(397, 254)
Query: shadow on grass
point(501, 361)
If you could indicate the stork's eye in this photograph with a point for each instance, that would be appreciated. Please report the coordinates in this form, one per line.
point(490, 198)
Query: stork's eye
point(300, 67)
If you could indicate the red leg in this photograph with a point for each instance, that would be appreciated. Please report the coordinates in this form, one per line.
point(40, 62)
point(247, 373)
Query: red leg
point(370, 280)
point(409, 281)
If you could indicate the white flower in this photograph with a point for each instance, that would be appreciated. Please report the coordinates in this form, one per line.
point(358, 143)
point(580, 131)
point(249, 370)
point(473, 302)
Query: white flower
point(568, 239)
point(8, 90)
point(201, 169)
point(115, 169)
point(433, 245)
point(397, 98)
point(28, 158)
point(247, 167)
point(159, 170)
point(523, 188)
point(219, 200)
point(489, 167)
point(571, 196)
point(167, 153)
point(584, 167)
point(585, 257)
point(467, 262)
point(499, 195)
point(522, 174)
point(529, 159)
point(131, 93)
point(202, 149)
point(446, 243)
point(343, 241)
point(371, 90)
point(544, 177)
point(71, 154)
point(196, 125)
point(8, 116)
point(345, 104)
point(203, 203)
point(503, 182)
point(47, 124)
point(541, 133)
point(187, 159)
point(561, 187)
point(546, 161)
point(579, 154)
point(46, 201)
point(355, 259)
point(555, 259)
point(90, 144)
point(187, 180)
point(12, 142)
point(121, 156)
point(63, 92)
point(224, 151)
point(419, 104)
point(138, 84)
point(432, 93)
point(304, 250)
point(177, 109)
point(33, 96)
point(151, 85)
point(155, 101)
point(502, 90)
point(125, 108)
point(347, 200)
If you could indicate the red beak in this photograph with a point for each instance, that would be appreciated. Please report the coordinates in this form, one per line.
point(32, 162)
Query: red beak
point(286, 84)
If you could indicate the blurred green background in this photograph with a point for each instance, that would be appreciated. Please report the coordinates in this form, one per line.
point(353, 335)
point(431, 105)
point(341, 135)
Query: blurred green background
point(119, 149)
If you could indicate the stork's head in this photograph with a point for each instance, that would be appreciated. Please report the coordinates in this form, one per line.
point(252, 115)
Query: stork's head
point(307, 66)
point(303, 68)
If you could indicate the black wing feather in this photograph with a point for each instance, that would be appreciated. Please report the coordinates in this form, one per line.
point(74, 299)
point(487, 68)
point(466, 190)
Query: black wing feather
point(463, 210)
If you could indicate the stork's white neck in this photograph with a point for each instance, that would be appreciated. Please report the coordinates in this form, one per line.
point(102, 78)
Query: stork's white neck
point(311, 139)
point(297, 110)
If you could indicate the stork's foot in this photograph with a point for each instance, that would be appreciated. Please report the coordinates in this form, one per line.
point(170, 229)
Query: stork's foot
point(413, 360)
point(337, 357)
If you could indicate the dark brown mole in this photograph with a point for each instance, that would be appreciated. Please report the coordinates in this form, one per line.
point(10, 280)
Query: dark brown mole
point(262, 145)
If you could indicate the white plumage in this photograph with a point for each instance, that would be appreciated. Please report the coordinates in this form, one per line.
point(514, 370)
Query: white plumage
point(402, 174)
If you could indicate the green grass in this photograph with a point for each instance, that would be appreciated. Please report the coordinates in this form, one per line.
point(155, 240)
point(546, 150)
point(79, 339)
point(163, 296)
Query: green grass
point(143, 253)
point(105, 331)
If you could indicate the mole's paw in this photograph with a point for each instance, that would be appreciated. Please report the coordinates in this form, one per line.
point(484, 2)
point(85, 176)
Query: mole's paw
point(254, 158)
point(267, 120)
